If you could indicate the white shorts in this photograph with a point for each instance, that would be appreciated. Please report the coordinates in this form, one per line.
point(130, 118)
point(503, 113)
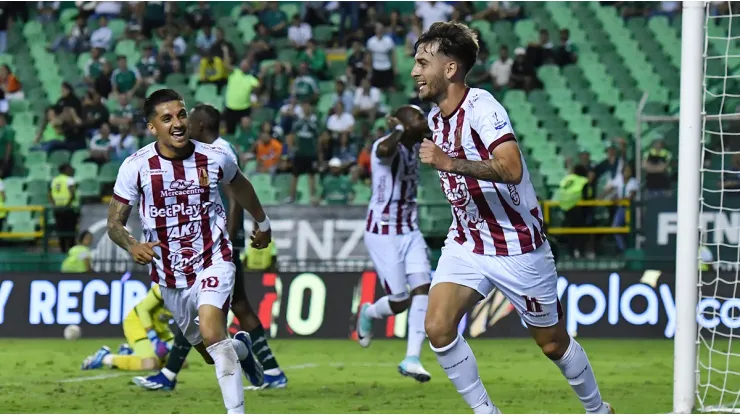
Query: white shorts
point(400, 260)
point(213, 286)
point(529, 280)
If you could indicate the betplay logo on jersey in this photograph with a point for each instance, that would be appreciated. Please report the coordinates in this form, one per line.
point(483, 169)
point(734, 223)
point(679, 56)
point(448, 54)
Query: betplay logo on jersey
point(194, 211)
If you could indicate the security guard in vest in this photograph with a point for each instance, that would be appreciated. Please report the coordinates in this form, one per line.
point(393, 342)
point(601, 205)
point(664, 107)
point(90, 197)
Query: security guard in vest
point(62, 196)
point(657, 166)
point(261, 260)
point(3, 211)
point(79, 257)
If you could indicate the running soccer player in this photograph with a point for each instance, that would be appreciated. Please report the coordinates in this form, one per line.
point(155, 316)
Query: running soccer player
point(147, 330)
point(496, 237)
point(174, 181)
point(204, 126)
point(393, 239)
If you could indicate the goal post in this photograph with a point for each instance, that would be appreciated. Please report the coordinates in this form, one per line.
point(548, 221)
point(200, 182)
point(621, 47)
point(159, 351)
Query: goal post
point(689, 195)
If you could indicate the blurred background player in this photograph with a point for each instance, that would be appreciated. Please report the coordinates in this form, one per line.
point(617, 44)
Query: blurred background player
point(393, 239)
point(496, 236)
point(147, 331)
point(204, 127)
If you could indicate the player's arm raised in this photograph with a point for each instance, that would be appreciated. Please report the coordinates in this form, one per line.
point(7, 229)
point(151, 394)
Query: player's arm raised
point(388, 147)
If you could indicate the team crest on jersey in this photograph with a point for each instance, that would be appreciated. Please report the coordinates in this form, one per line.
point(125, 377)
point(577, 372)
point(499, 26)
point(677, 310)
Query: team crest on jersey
point(203, 178)
point(458, 196)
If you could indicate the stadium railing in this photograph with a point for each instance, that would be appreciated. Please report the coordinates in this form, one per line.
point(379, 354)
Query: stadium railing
point(547, 207)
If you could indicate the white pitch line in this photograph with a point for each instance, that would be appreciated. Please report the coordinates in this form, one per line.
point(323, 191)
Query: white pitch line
point(91, 378)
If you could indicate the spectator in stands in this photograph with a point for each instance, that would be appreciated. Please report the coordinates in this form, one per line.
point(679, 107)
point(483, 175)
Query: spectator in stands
point(62, 195)
point(275, 19)
point(77, 38)
point(94, 66)
point(522, 72)
point(223, 46)
point(7, 140)
point(304, 145)
point(94, 112)
point(624, 186)
point(413, 35)
point(238, 97)
point(47, 11)
point(730, 177)
point(316, 59)
point(262, 46)
point(152, 16)
point(101, 145)
point(50, 133)
point(205, 39)
point(566, 52)
point(314, 13)
point(613, 163)
point(501, 69)
point(341, 93)
point(657, 165)
point(199, 15)
point(433, 11)
point(6, 21)
point(68, 99)
point(576, 187)
point(396, 27)
point(124, 114)
point(366, 101)
point(358, 64)
point(305, 85)
point(541, 52)
point(10, 84)
point(213, 70)
point(109, 9)
point(126, 79)
point(383, 60)
point(245, 136)
point(340, 121)
point(276, 85)
point(123, 144)
point(299, 33)
point(102, 37)
point(479, 75)
point(268, 151)
point(346, 152)
point(361, 171)
point(288, 113)
point(171, 53)
point(79, 257)
point(337, 189)
point(103, 83)
point(148, 67)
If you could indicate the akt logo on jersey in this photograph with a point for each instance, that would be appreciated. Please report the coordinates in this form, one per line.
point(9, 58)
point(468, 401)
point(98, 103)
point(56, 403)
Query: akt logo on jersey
point(194, 211)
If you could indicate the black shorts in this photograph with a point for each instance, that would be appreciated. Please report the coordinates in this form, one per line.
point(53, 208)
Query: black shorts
point(304, 165)
point(382, 79)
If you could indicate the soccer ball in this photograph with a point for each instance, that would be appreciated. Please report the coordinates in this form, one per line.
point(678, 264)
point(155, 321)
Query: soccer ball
point(72, 332)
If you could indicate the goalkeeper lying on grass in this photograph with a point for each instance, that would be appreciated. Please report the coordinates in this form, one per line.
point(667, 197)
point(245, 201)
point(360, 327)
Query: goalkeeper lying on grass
point(146, 329)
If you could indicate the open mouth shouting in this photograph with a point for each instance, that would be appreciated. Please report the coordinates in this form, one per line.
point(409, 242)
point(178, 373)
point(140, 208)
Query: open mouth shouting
point(421, 85)
point(179, 134)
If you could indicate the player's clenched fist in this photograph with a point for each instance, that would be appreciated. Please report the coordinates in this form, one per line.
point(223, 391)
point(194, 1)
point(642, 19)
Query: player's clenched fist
point(431, 154)
point(261, 239)
point(143, 253)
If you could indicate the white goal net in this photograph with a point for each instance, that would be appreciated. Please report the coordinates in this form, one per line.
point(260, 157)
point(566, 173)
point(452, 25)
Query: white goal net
point(718, 346)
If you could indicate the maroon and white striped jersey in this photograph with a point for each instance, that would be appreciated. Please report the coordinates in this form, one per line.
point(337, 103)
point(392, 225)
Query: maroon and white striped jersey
point(392, 208)
point(487, 218)
point(179, 206)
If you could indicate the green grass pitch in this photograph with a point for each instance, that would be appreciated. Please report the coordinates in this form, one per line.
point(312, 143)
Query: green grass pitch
point(43, 376)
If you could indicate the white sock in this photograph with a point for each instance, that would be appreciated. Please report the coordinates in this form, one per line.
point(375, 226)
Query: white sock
point(241, 349)
point(169, 374)
point(577, 370)
point(458, 361)
point(380, 309)
point(417, 312)
point(229, 375)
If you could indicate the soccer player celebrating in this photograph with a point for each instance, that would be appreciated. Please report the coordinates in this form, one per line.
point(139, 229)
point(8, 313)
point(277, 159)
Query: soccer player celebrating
point(496, 237)
point(187, 247)
point(147, 330)
point(204, 127)
point(393, 239)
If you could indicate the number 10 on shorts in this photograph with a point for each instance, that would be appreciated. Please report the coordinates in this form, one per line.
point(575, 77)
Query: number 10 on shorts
point(533, 305)
point(209, 282)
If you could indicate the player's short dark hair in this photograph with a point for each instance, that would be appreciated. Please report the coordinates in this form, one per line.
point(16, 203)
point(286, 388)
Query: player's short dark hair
point(158, 97)
point(211, 117)
point(407, 113)
point(455, 40)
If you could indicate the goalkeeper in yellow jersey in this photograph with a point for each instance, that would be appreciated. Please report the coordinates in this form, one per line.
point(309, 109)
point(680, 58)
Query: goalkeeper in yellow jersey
point(148, 334)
